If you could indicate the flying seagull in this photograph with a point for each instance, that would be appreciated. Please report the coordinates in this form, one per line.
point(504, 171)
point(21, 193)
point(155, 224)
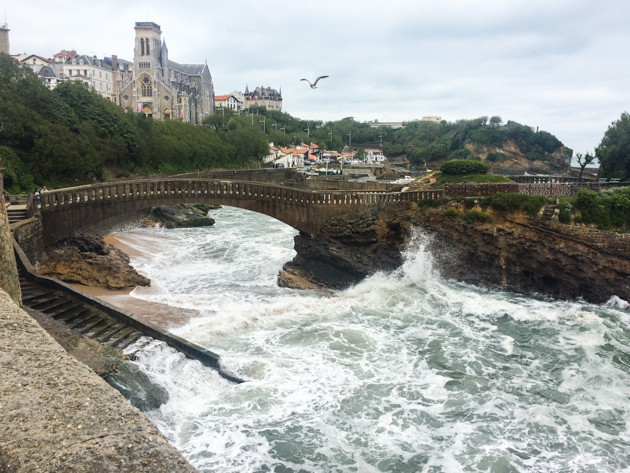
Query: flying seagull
point(314, 84)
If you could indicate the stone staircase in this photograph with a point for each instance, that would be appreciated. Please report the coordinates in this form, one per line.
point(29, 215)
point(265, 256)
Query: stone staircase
point(16, 213)
point(548, 211)
point(92, 319)
point(77, 315)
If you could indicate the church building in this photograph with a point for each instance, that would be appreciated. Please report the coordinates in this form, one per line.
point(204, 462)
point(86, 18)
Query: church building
point(159, 87)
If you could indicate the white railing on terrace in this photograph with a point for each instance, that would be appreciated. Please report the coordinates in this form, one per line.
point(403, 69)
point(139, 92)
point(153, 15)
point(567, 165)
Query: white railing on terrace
point(136, 190)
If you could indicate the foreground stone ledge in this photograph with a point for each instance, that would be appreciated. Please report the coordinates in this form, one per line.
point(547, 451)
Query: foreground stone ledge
point(58, 415)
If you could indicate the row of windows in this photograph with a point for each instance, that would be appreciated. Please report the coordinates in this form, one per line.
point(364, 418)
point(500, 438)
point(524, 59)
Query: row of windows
point(144, 65)
point(85, 73)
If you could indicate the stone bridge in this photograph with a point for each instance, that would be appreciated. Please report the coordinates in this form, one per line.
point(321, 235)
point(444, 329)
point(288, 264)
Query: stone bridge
point(68, 210)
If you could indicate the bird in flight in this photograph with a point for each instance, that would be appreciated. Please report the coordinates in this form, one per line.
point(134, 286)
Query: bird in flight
point(314, 84)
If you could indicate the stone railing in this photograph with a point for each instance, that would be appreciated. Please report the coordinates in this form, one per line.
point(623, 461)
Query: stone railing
point(189, 189)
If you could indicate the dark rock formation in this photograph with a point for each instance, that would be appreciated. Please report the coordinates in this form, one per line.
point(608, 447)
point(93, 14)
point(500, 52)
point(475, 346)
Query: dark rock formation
point(180, 216)
point(530, 255)
point(346, 250)
point(137, 387)
point(87, 259)
point(513, 251)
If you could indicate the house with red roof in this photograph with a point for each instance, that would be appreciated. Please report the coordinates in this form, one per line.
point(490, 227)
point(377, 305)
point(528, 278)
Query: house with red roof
point(228, 101)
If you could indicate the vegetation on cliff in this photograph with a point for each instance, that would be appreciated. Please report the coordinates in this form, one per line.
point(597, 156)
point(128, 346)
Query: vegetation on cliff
point(72, 135)
point(608, 210)
point(428, 141)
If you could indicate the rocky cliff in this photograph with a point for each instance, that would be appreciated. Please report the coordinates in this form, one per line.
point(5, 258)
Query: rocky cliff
point(511, 251)
point(87, 259)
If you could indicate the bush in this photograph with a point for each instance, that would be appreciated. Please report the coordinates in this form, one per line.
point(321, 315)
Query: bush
point(509, 201)
point(606, 210)
point(464, 166)
point(475, 216)
point(451, 213)
point(564, 216)
point(425, 203)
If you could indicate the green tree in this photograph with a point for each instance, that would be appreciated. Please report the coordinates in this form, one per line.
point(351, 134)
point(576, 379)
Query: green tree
point(614, 150)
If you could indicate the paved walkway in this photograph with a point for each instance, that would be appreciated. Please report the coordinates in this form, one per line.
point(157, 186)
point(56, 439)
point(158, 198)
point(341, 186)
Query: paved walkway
point(59, 416)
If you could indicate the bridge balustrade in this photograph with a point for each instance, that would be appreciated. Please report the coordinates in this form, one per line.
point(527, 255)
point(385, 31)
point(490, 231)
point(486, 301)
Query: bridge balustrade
point(152, 189)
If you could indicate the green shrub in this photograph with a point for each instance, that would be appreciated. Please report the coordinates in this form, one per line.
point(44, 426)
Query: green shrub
point(564, 216)
point(510, 201)
point(478, 178)
point(451, 213)
point(606, 210)
point(464, 166)
point(425, 203)
point(476, 216)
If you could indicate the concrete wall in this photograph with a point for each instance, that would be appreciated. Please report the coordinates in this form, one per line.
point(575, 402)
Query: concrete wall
point(29, 235)
point(9, 279)
point(58, 415)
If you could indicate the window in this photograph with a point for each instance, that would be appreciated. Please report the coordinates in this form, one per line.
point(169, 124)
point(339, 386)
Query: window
point(147, 89)
point(141, 46)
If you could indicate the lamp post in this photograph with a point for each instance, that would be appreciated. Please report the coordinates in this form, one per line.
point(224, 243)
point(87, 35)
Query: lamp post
point(349, 139)
point(264, 126)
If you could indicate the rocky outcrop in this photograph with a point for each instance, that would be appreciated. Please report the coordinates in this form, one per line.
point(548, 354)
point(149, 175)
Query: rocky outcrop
point(511, 251)
point(180, 216)
point(516, 252)
point(515, 161)
point(345, 251)
point(87, 259)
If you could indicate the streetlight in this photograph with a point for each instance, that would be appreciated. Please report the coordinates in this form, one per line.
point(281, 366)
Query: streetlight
point(308, 130)
point(264, 126)
point(349, 139)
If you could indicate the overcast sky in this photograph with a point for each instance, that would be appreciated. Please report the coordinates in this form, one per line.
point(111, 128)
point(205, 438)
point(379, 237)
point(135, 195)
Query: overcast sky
point(560, 65)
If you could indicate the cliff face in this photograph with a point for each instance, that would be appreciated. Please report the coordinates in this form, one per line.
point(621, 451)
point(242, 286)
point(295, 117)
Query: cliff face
point(517, 161)
point(513, 251)
point(520, 253)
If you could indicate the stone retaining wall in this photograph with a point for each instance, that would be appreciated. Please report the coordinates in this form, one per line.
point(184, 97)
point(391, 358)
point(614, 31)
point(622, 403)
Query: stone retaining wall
point(478, 190)
point(59, 416)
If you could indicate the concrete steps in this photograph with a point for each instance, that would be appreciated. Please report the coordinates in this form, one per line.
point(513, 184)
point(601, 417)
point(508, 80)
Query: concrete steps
point(77, 315)
point(16, 213)
point(91, 318)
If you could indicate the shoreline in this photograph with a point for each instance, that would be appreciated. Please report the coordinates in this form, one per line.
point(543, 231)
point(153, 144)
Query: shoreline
point(163, 315)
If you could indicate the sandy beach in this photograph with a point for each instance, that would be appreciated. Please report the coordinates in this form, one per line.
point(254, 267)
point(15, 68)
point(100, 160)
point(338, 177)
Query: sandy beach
point(162, 315)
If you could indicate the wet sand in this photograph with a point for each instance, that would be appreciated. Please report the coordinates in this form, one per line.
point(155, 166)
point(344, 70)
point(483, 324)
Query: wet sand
point(162, 315)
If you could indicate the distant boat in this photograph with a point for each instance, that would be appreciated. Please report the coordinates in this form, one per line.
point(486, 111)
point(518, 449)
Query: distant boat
point(404, 180)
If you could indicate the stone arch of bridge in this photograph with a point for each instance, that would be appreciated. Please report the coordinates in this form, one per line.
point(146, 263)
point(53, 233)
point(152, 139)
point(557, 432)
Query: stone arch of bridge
point(66, 211)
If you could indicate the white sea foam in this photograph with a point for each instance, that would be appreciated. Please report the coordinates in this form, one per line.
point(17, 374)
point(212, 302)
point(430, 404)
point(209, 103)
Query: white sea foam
point(403, 372)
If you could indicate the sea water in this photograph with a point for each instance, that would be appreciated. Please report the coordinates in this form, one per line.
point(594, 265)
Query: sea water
point(404, 372)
